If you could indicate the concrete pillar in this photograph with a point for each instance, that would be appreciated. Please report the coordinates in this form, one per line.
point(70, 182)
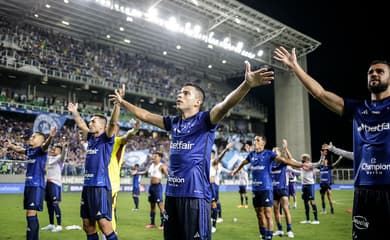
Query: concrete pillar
point(292, 118)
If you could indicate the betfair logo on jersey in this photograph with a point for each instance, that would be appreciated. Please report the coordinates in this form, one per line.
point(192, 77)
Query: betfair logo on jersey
point(92, 151)
point(258, 167)
point(377, 128)
point(180, 145)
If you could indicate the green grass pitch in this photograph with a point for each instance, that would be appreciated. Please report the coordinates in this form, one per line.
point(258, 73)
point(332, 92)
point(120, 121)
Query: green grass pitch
point(131, 224)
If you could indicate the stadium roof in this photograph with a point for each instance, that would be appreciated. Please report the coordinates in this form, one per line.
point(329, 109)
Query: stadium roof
point(193, 34)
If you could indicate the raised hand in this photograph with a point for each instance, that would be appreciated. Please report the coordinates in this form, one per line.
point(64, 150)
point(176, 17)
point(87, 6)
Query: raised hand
point(122, 91)
point(137, 124)
point(53, 131)
point(117, 96)
point(284, 56)
point(284, 142)
point(73, 107)
point(259, 77)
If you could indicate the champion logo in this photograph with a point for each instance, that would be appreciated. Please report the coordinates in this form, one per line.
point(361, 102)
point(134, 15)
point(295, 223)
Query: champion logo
point(98, 213)
point(197, 235)
point(267, 200)
point(32, 204)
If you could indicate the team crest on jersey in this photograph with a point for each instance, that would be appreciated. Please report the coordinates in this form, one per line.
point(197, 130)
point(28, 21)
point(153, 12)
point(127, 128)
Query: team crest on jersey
point(360, 222)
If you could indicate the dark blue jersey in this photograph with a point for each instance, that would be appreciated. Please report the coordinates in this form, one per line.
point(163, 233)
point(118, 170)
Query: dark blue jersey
point(136, 180)
point(279, 175)
point(260, 166)
point(190, 153)
point(371, 139)
point(326, 174)
point(36, 162)
point(96, 163)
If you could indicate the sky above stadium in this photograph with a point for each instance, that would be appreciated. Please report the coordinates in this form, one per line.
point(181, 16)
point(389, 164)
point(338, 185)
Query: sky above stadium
point(351, 37)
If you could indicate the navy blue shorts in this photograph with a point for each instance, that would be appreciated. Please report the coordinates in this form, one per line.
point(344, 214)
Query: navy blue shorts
point(242, 189)
point(53, 192)
point(96, 203)
point(324, 187)
point(291, 189)
point(279, 193)
point(155, 193)
point(188, 218)
point(33, 198)
point(263, 199)
point(371, 213)
point(136, 191)
point(308, 192)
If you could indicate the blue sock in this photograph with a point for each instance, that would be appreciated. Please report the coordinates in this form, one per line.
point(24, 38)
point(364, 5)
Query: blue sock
point(136, 202)
point(94, 236)
point(280, 228)
point(219, 210)
point(57, 210)
point(50, 211)
point(152, 215)
point(214, 214)
point(289, 228)
point(269, 234)
point(32, 228)
point(111, 236)
point(263, 231)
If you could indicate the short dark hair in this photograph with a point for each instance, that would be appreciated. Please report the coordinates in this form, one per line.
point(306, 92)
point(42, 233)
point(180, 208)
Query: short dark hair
point(249, 142)
point(58, 146)
point(41, 134)
point(159, 153)
point(199, 89)
point(101, 116)
point(380, 62)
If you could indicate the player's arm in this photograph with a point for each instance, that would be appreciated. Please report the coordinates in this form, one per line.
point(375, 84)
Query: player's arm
point(330, 100)
point(220, 156)
point(337, 162)
point(242, 164)
point(72, 108)
point(252, 79)
point(49, 139)
point(115, 113)
point(338, 151)
point(289, 161)
point(64, 152)
point(164, 169)
point(140, 113)
point(317, 164)
point(15, 148)
point(286, 150)
point(294, 170)
point(131, 133)
point(144, 172)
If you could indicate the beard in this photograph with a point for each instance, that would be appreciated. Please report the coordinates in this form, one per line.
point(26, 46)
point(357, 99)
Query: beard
point(381, 87)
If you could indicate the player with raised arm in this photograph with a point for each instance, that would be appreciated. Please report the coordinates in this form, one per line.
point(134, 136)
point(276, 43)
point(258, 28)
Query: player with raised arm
point(35, 184)
point(55, 164)
point(96, 196)
point(371, 142)
point(188, 188)
point(260, 161)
